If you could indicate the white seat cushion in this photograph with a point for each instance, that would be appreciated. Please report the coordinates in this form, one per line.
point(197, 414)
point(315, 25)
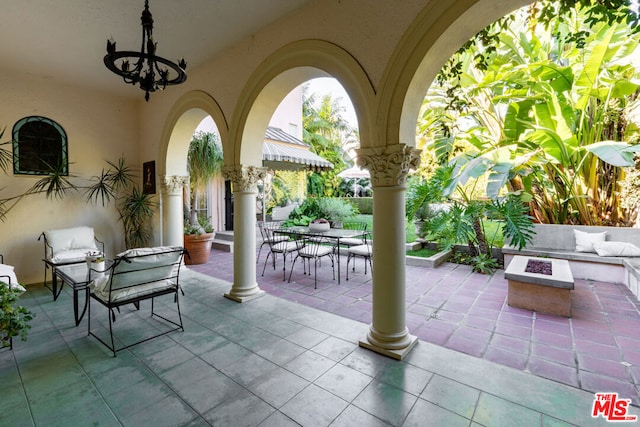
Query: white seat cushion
point(316, 250)
point(361, 250)
point(148, 251)
point(351, 241)
point(158, 266)
point(287, 246)
point(70, 239)
point(71, 256)
point(133, 291)
point(8, 275)
point(277, 239)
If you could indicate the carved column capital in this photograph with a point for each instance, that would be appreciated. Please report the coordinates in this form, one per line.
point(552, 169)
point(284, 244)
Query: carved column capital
point(389, 165)
point(244, 178)
point(173, 184)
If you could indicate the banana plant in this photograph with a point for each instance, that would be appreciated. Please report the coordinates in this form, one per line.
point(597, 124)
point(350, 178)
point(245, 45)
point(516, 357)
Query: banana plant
point(555, 125)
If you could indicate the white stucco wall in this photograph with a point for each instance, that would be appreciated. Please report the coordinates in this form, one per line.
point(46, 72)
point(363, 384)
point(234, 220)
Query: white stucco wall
point(289, 112)
point(99, 128)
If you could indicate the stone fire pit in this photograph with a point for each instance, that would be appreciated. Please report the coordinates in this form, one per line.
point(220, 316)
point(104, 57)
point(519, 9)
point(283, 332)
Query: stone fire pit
point(539, 291)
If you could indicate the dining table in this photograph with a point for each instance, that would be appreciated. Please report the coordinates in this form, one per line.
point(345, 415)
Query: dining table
point(334, 234)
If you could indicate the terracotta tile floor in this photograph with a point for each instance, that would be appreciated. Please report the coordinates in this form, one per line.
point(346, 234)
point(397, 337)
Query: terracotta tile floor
point(597, 349)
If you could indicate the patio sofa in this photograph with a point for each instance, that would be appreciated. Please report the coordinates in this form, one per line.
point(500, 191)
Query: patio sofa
point(617, 259)
point(68, 246)
point(134, 276)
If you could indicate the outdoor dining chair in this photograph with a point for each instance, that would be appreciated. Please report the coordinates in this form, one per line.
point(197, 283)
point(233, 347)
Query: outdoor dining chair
point(353, 241)
point(310, 249)
point(279, 246)
point(268, 236)
point(363, 251)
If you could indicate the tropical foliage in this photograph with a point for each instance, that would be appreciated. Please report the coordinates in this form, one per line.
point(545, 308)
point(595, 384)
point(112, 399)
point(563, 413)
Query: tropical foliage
point(205, 161)
point(136, 210)
point(325, 129)
point(546, 106)
point(14, 318)
point(332, 209)
point(463, 219)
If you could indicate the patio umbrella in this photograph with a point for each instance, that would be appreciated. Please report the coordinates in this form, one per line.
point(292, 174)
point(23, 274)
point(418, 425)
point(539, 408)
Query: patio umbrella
point(354, 172)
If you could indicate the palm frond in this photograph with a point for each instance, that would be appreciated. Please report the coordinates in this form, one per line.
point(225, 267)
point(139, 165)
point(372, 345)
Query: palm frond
point(120, 176)
point(136, 210)
point(204, 158)
point(101, 189)
point(55, 185)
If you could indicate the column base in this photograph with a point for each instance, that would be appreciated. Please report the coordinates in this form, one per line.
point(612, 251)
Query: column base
point(394, 353)
point(244, 296)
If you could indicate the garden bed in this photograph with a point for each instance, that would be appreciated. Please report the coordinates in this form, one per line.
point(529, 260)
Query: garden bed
point(425, 254)
point(432, 261)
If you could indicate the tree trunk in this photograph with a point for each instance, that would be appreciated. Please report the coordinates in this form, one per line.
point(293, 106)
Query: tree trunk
point(483, 248)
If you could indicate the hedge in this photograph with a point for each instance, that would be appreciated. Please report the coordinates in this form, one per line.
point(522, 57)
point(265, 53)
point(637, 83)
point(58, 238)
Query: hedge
point(363, 204)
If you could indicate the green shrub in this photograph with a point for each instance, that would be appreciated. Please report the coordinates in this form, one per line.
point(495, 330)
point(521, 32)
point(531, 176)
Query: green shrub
point(364, 205)
point(14, 319)
point(329, 208)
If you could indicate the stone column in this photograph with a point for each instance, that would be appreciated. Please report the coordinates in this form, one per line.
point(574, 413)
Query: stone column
point(388, 333)
point(245, 189)
point(172, 186)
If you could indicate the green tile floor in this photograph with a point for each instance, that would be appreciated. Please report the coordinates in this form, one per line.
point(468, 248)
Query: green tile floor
point(267, 362)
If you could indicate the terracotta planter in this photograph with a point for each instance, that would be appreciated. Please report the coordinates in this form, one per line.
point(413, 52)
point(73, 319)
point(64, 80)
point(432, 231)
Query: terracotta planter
point(199, 248)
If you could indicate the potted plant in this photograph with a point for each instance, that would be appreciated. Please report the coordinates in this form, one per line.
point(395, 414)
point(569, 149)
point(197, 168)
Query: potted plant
point(14, 319)
point(421, 219)
point(336, 210)
point(197, 241)
point(319, 224)
point(204, 161)
point(136, 211)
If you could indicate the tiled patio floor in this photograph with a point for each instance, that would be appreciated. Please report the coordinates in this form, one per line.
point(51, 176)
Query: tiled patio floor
point(597, 349)
point(267, 362)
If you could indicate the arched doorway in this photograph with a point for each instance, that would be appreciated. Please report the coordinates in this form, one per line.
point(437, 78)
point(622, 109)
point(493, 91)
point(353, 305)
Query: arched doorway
point(286, 69)
point(183, 121)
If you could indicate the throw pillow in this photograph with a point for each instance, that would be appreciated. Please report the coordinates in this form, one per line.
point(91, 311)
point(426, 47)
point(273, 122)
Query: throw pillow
point(585, 241)
point(616, 249)
point(8, 275)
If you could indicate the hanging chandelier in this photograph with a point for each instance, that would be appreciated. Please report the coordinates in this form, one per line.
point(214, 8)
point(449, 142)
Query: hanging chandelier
point(144, 68)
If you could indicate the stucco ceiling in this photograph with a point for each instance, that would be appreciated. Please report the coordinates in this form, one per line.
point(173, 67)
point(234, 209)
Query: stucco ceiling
point(65, 40)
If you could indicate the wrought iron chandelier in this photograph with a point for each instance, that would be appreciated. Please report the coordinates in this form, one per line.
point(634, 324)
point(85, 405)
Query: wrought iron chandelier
point(144, 68)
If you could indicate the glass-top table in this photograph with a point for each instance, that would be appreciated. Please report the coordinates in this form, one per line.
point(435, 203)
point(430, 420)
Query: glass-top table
point(78, 276)
point(332, 233)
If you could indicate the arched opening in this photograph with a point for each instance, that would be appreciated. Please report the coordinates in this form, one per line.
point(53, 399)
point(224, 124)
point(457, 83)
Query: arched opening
point(426, 50)
point(289, 67)
point(185, 118)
